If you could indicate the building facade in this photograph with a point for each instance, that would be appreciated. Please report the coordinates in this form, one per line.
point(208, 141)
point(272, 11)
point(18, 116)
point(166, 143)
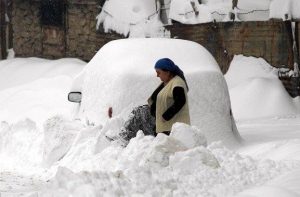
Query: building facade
point(57, 28)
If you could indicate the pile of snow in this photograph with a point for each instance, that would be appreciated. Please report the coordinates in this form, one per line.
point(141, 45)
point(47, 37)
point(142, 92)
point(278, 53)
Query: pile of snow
point(48, 80)
point(162, 166)
point(21, 147)
point(31, 91)
point(256, 91)
point(122, 76)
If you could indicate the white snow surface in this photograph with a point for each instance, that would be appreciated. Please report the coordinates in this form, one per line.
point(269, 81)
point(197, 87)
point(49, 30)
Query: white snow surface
point(68, 158)
point(47, 80)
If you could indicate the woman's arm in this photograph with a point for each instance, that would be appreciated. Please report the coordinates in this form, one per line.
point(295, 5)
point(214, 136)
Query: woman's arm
point(179, 101)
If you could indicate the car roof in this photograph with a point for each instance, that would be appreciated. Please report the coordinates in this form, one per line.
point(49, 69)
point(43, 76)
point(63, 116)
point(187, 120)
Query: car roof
point(140, 55)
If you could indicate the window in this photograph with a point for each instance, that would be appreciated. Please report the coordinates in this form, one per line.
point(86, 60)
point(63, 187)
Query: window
point(52, 12)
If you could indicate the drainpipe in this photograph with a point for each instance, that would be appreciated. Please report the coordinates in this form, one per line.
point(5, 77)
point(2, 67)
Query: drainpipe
point(295, 51)
point(234, 5)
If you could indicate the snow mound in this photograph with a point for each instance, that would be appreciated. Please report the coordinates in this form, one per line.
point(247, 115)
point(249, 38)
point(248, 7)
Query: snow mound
point(59, 136)
point(187, 161)
point(154, 153)
point(163, 166)
point(243, 68)
point(20, 146)
point(189, 136)
point(20, 70)
point(251, 79)
point(48, 80)
point(50, 98)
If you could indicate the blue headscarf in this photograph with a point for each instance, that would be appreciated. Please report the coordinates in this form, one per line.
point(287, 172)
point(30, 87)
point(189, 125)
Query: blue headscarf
point(169, 65)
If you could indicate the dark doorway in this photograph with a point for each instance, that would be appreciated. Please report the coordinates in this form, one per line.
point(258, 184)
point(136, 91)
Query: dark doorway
point(52, 12)
point(53, 22)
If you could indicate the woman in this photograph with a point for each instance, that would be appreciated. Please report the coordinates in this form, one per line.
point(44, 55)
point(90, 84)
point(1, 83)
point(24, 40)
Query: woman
point(169, 103)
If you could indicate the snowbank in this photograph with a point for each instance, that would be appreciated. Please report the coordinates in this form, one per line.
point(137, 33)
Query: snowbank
point(21, 146)
point(49, 81)
point(256, 91)
point(25, 70)
point(163, 166)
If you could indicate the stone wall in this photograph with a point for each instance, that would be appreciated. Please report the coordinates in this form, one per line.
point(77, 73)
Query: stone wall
point(83, 41)
point(78, 38)
point(27, 32)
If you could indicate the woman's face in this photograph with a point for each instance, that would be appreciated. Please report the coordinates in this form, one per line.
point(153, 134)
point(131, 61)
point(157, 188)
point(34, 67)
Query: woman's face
point(165, 76)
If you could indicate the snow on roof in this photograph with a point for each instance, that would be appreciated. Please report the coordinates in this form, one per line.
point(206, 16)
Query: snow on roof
point(136, 18)
point(140, 18)
point(122, 76)
point(285, 9)
point(187, 13)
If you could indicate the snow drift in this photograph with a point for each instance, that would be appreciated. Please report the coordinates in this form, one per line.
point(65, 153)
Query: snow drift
point(256, 91)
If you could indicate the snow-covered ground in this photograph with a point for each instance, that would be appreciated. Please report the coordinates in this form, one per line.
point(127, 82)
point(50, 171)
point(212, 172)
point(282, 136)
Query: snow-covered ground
point(43, 152)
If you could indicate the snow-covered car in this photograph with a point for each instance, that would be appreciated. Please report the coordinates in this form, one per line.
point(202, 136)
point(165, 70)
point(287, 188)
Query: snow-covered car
point(121, 76)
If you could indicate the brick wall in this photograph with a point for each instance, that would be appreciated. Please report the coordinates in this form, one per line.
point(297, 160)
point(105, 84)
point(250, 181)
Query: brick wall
point(268, 39)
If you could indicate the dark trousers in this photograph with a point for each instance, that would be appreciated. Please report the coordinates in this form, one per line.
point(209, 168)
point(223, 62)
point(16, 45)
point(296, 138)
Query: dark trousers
point(139, 119)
